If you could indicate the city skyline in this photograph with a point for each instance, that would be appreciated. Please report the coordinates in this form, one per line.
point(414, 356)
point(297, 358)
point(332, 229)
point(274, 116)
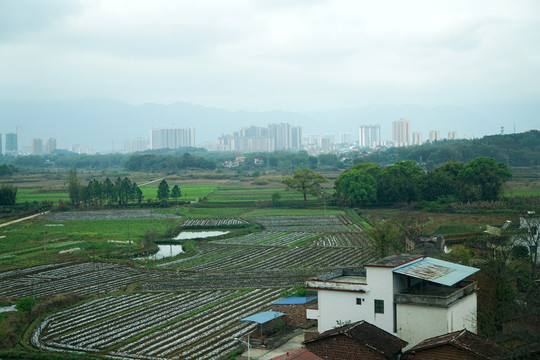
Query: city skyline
point(250, 139)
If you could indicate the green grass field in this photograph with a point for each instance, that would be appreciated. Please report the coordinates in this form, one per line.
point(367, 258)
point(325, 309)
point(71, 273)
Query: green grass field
point(31, 195)
point(28, 237)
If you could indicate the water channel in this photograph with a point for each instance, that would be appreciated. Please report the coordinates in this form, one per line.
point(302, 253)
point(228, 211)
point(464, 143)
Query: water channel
point(170, 250)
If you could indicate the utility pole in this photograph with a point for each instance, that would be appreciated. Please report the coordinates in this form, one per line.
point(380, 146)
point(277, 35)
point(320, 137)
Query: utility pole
point(44, 237)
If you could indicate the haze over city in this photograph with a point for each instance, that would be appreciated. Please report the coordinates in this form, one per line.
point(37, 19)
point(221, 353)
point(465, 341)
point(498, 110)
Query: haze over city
point(100, 72)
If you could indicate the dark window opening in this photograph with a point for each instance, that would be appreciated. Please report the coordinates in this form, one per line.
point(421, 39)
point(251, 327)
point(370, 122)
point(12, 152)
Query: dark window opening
point(379, 306)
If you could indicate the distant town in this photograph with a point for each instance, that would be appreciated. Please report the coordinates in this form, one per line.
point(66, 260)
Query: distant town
point(281, 136)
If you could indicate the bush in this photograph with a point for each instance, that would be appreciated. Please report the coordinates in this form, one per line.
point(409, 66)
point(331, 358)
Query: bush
point(25, 304)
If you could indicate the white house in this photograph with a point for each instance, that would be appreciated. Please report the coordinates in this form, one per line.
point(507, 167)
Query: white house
point(413, 297)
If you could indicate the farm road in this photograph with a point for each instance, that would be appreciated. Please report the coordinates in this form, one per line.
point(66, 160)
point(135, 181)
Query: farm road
point(24, 218)
point(152, 181)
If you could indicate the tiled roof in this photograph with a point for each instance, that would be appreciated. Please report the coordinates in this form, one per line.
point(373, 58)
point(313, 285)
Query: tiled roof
point(465, 340)
point(298, 354)
point(368, 335)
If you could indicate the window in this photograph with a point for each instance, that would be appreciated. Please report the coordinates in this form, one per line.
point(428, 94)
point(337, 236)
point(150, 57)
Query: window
point(379, 306)
point(359, 301)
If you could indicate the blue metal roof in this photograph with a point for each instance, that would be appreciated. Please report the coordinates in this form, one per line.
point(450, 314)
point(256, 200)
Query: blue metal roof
point(263, 317)
point(295, 300)
point(437, 271)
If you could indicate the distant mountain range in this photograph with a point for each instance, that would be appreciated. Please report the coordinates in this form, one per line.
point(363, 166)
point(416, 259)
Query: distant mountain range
point(103, 125)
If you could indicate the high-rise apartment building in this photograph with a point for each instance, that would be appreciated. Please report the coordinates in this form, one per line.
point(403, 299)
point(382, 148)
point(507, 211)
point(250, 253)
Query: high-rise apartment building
point(417, 138)
point(345, 138)
point(254, 138)
point(369, 136)
point(37, 146)
point(452, 135)
point(401, 132)
point(11, 143)
point(172, 138)
point(286, 136)
point(50, 145)
point(434, 136)
point(136, 145)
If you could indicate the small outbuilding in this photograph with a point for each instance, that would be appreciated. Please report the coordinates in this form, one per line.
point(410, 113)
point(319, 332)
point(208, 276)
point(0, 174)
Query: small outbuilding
point(294, 308)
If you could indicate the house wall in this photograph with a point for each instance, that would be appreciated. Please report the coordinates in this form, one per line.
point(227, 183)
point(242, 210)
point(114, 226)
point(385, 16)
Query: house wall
point(380, 286)
point(341, 347)
point(295, 315)
point(341, 306)
point(445, 352)
point(417, 322)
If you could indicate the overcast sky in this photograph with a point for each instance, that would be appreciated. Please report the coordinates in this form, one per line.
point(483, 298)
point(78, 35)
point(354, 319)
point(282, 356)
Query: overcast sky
point(297, 55)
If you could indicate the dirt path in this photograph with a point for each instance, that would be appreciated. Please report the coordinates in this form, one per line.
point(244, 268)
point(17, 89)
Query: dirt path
point(24, 218)
point(152, 181)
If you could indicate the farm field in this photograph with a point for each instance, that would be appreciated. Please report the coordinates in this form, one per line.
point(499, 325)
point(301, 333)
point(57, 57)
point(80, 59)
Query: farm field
point(136, 309)
point(223, 281)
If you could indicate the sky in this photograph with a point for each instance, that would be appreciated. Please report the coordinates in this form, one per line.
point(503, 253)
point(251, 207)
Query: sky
point(257, 55)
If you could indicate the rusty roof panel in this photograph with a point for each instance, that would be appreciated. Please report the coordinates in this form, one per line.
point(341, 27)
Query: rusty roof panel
point(438, 271)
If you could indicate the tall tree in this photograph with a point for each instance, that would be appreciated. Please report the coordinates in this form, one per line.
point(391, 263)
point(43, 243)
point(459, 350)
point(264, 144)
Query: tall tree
point(304, 181)
point(357, 187)
point(385, 237)
point(163, 192)
point(530, 237)
point(397, 183)
point(75, 189)
point(176, 193)
point(483, 179)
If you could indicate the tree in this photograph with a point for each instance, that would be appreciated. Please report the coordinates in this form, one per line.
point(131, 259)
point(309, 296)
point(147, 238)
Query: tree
point(8, 195)
point(357, 187)
point(75, 189)
point(530, 237)
point(176, 193)
point(385, 237)
point(163, 192)
point(483, 179)
point(137, 193)
point(397, 183)
point(304, 181)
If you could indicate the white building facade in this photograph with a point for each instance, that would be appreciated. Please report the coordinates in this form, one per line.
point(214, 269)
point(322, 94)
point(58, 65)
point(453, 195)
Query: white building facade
point(172, 138)
point(400, 295)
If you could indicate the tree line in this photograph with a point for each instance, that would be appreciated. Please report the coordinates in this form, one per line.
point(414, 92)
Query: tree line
point(522, 149)
point(405, 181)
point(96, 193)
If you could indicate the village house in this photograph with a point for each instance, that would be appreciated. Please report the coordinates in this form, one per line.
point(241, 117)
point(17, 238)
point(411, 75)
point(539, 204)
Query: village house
point(461, 344)
point(359, 340)
point(413, 297)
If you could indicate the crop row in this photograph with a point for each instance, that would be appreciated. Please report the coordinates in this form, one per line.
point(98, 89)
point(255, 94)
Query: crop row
point(29, 270)
point(267, 238)
point(340, 239)
point(189, 338)
point(231, 280)
point(106, 215)
point(232, 259)
point(83, 279)
point(198, 325)
point(319, 223)
point(213, 222)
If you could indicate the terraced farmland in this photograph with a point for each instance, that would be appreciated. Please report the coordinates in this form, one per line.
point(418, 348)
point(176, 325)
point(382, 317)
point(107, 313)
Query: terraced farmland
point(214, 222)
point(190, 307)
point(317, 223)
point(76, 278)
point(188, 325)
